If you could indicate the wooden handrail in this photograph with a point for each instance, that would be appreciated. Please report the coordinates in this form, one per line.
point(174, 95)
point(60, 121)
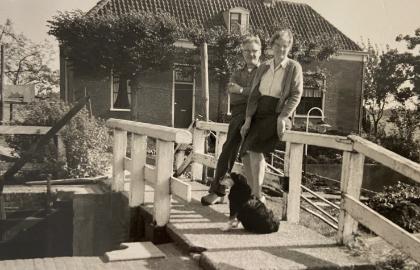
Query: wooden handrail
point(387, 158)
point(155, 131)
point(352, 211)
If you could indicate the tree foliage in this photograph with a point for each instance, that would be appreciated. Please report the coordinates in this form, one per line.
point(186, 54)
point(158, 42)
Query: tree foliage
point(128, 43)
point(27, 62)
point(226, 46)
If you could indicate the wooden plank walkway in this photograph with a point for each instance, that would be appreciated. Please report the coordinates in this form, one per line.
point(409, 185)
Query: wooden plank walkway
point(174, 260)
point(198, 229)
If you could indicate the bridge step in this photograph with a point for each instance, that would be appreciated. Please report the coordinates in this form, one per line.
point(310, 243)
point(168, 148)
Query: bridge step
point(197, 229)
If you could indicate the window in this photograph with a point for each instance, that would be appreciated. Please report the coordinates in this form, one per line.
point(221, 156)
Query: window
point(235, 21)
point(313, 95)
point(120, 93)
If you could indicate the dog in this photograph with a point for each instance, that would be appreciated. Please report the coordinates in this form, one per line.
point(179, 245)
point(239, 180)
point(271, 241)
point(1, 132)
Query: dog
point(251, 212)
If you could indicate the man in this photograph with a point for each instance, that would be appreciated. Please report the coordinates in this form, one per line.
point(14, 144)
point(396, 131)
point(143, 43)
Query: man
point(239, 89)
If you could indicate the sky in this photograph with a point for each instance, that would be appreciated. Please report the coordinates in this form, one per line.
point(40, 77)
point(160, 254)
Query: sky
point(378, 20)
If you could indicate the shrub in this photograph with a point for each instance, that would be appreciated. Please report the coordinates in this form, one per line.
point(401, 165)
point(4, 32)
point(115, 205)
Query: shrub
point(85, 138)
point(401, 204)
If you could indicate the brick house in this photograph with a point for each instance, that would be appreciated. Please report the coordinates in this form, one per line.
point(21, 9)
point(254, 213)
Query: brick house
point(174, 98)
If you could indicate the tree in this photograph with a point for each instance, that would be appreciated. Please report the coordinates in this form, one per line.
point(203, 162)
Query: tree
point(27, 62)
point(226, 53)
point(413, 60)
point(129, 44)
point(384, 75)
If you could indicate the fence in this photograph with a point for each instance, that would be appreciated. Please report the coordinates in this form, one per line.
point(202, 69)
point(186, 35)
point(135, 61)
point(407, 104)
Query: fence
point(158, 176)
point(352, 211)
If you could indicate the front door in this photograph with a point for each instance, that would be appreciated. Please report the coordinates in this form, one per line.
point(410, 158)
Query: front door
point(183, 105)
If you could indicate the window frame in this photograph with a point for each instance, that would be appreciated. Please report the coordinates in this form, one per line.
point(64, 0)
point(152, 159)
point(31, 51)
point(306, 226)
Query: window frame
point(321, 88)
point(112, 101)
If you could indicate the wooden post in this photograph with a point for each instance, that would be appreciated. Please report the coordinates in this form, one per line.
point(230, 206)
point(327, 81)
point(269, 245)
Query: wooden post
point(199, 138)
point(61, 149)
point(2, 82)
point(295, 174)
point(138, 163)
point(205, 78)
point(287, 179)
point(164, 168)
point(351, 183)
point(120, 149)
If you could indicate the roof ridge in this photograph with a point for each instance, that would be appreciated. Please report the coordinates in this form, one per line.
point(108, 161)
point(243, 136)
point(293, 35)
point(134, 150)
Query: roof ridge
point(100, 4)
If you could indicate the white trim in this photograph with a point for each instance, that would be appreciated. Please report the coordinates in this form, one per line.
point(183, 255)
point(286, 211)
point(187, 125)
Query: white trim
point(186, 83)
point(229, 111)
point(184, 43)
point(350, 56)
point(120, 110)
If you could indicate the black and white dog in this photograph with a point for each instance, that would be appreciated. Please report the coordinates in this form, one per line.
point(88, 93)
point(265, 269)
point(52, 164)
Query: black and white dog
point(244, 208)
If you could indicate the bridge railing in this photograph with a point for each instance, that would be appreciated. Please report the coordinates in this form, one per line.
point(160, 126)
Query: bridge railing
point(159, 176)
point(352, 211)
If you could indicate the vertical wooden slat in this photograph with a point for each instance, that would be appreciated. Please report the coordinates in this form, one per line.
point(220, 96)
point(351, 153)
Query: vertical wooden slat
point(138, 162)
point(286, 178)
point(295, 174)
point(220, 140)
point(120, 149)
point(164, 163)
point(179, 159)
point(351, 183)
point(199, 137)
point(61, 149)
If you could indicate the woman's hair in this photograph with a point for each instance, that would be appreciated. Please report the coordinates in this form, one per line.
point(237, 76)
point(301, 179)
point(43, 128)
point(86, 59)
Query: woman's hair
point(282, 33)
point(251, 39)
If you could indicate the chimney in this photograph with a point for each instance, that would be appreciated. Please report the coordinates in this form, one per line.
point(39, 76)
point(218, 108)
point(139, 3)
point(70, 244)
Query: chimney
point(268, 3)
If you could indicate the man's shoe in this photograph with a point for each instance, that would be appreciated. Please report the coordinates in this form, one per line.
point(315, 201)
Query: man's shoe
point(211, 198)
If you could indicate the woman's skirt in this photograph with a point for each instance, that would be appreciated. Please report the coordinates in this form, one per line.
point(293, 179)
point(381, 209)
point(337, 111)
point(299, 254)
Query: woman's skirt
point(262, 135)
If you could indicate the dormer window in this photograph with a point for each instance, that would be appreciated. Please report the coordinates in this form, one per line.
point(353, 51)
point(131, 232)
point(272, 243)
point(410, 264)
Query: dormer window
point(237, 19)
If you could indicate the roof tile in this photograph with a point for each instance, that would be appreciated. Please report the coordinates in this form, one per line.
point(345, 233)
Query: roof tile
point(303, 19)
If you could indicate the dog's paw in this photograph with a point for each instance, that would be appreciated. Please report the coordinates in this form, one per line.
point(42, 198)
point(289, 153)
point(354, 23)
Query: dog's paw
point(230, 225)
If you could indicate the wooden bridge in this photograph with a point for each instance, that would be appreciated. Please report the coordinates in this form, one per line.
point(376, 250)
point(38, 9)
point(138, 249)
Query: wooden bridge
point(171, 202)
point(212, 242)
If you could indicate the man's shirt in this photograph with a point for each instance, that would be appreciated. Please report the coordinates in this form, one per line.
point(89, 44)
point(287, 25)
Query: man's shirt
point(243, 78)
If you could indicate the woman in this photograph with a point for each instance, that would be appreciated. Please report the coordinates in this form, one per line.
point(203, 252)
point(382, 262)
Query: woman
point(275, 93)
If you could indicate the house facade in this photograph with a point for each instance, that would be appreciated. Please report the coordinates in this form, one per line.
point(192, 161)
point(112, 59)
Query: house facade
point(175, 97)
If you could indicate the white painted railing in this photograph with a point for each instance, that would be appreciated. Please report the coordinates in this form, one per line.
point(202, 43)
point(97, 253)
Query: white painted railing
point(352, 211)
point(158, 176)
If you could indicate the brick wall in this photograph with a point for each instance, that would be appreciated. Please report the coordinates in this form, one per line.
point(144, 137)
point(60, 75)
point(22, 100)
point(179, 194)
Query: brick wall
point(152, 97)
point(343, 95)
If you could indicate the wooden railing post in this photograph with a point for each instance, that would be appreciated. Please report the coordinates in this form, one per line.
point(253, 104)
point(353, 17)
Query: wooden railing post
point(286, 180)
point(295, 180)
point(199, 138)
point(120, 150)
point(351, 183)
point(138, 163)
point(164, 168)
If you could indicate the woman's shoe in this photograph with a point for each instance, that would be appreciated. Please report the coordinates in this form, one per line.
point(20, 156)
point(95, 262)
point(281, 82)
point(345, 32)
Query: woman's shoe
point(211, 198)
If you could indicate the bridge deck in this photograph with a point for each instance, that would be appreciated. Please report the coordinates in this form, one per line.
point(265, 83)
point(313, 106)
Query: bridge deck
point(197, 228)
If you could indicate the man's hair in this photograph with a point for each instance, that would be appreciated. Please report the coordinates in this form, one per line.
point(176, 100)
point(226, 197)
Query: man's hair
point(251, 39)
point(282, 33)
